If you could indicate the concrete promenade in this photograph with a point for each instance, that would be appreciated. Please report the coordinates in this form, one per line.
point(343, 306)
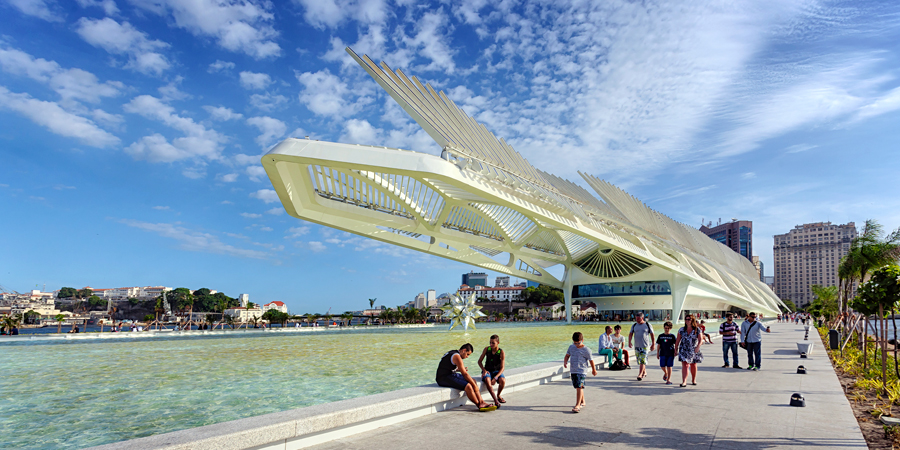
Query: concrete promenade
point(728, 409)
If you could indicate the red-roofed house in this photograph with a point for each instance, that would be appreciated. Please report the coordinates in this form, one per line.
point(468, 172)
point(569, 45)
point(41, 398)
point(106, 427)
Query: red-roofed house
point(280, 306)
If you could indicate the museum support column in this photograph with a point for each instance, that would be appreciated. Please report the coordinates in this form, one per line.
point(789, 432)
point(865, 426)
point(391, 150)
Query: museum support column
point(567, 293)
point(680, 286)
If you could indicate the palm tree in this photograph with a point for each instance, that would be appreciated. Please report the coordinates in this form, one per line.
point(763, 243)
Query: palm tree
point(348, 316)
point(59, 321)
point(229, 320)
point(311, 318)
point(372, 302)
point(10, 322)
point(868, 251)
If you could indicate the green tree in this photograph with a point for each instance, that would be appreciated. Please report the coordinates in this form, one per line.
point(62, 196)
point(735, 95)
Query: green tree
point(347, 316)
point(95, 301)
point(31, 317)
point(882, 290)
point(868, 251)
point(83, 293)
point(134, 301)
point(67, 292)
point(372, 302)
point(789, 306)
point(10, 322)
point(148, 318)
point(825, 303)
point(59, 321)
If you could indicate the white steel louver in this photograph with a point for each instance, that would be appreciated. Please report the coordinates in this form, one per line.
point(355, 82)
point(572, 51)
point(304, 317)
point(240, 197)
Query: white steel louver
point(609, 263)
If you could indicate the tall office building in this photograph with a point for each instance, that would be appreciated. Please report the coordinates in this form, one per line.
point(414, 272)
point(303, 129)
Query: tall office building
point(736, 235)
point(501, 282)
point(473, 279)
point(807, 255)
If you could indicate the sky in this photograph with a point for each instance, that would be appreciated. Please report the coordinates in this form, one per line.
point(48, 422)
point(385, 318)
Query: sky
point(131, 131)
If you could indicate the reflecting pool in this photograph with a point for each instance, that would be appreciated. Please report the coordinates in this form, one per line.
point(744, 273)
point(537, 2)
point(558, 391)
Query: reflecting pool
point(81, 393)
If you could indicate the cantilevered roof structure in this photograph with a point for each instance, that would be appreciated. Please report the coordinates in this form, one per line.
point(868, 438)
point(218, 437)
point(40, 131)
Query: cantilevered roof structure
point(482, 203)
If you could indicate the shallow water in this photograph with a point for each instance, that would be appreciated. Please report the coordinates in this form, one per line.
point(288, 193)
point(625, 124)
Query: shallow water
point(76, 394)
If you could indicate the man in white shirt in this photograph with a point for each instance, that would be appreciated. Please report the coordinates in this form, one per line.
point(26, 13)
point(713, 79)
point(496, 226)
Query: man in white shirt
point(606, 346)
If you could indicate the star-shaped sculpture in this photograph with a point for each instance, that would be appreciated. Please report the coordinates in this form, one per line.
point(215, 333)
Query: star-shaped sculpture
point(461, 311)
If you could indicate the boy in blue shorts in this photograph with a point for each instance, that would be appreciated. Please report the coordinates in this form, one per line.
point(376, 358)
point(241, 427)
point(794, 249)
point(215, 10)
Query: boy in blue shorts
point(665, 352)
point(581, 360)
point(492, 370)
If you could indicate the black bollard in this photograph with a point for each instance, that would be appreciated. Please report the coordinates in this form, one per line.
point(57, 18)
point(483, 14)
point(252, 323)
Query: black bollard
point(803, 355)
point(801, 370)
point(798, 400)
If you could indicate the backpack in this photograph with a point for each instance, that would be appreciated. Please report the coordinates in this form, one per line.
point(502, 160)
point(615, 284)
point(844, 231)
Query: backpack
point(618, 364)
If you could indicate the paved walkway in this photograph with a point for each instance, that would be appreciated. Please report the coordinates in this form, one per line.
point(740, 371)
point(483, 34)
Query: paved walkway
point(728, 409)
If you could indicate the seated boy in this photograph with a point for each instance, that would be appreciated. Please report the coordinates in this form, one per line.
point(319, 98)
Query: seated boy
point(452, 373)
point(492, 370)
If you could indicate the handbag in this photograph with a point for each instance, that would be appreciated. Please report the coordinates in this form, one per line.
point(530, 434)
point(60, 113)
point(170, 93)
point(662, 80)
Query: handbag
point(743, 343)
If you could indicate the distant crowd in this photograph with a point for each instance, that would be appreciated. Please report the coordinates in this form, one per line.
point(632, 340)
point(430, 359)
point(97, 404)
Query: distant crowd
point(685, 344)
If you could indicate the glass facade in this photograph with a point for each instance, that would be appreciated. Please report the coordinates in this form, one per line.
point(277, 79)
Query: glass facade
point(622, 289)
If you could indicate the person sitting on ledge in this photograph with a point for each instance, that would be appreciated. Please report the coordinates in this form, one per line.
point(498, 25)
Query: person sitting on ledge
point(492, 369)
point(452, 373)
point(607, 347)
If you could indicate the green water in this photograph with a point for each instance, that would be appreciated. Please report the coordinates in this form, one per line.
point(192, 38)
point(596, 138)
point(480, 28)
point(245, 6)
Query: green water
point(78, 394)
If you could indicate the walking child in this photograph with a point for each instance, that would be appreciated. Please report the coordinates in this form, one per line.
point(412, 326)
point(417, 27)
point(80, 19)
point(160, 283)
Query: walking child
point(581, 360)
point(492, 369)
point(665, 352)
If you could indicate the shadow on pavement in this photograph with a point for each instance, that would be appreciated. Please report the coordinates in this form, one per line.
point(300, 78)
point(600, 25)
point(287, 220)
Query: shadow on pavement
point(666, 438)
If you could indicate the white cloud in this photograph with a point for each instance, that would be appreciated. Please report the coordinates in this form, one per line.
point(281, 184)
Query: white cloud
point(251, 80)
point(271, 129)
point(358, 131)
point(227, 178)
point(256, 173)
point(109, 6)
point(194, 173)
point(886, 103)
point(171, 92)
point(748, 175)
point(199, 142)
point(326, 95)
point(161, 208)
point(267, 102)
point(266, 195)
point(330, 13)
point(265, 228)
point(219, 66)
point(798, 148)
point(61, 187)
point(222, 113)
point(36, 8)
point(243, 159)
point(56, 119)
point(296, 232)
point(195, 241)
point(316, 246)
point(238, 26)
point(72, 85)
point(275, 211)
point(251, 215)
point(124, 39)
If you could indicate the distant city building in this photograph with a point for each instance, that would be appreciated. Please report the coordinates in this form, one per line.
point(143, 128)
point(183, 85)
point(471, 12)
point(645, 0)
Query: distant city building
point(475, 279)
point(280, 306)
point(760, 267)
point(430, 298)
point(442, 299)
point(419, 301)
point(124, 293)
point(736, 235)
point(244, 314)
point(244, 299)
point(530, 283)
point(501, 282)
point(770, 282)
point(810, 254)
point(495, 294)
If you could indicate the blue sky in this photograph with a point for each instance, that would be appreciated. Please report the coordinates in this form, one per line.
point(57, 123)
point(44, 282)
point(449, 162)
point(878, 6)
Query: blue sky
point(131, 131)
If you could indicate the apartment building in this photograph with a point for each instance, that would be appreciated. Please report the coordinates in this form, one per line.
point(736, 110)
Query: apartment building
point(807, 255)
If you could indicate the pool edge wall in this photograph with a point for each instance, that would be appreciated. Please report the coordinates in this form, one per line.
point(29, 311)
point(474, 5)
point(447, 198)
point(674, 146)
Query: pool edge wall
point(304, 427)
